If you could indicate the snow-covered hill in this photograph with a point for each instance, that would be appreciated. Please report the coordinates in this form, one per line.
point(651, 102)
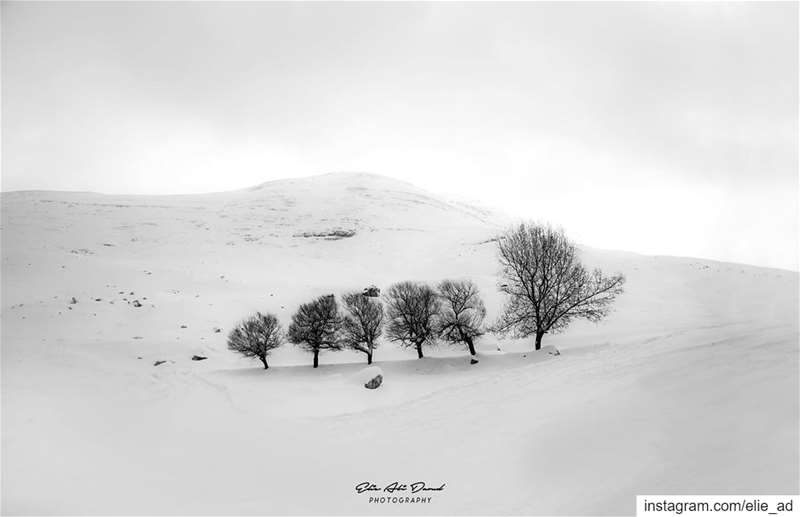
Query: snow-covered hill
point(690, 386)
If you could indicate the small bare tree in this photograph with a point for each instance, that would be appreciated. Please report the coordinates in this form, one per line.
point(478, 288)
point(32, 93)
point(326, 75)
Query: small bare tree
point(316, 326)
point(462, 314)
point(256, 337)
point(411, 311)
point(547, 285)
point(363, 324)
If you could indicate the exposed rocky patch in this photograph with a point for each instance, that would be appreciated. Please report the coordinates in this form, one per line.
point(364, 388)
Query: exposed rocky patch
point(330, 235)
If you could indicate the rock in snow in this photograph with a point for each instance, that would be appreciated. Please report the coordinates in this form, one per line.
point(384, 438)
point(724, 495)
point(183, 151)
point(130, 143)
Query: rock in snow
point(473, 361)
point(199, 358)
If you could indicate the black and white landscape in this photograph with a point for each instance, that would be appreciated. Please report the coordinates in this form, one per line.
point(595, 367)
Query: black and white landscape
point(121, 389)
point(690, 385)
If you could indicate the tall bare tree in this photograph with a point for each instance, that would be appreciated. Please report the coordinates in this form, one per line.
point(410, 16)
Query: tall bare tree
point(363, 323)
point(462, 314)
point(256, 337)
point(547, 285)
point(316, 326)
point(411, 311)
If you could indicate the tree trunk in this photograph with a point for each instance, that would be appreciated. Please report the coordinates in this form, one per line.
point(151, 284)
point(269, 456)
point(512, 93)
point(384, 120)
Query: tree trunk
point(539, 335)
point(471, 346)
point(369, 357)
point(419, 350)
point(264, 360)
point(316, 358)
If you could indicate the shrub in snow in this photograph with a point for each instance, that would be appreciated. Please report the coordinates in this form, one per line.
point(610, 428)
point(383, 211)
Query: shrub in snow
point(363, 323)
point(461, 318)
point(256, 337)
point(371, 377)
point(546, 284)
point(375, 382)
point(411, 312)
point(317, 326)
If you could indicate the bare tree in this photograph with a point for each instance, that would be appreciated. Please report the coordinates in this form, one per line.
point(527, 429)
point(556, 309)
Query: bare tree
point(462, 314)
point(411, 311)
point(363, 324)
point(547, 285)
point(316, 326)
point(256, 336)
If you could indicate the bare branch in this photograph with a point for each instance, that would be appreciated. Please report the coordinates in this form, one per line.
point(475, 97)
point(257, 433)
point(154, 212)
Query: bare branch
point(363, 324)
point(462, 314)
point(411, 310)
point(547, 285)
point(256, 336)
point(317, 325)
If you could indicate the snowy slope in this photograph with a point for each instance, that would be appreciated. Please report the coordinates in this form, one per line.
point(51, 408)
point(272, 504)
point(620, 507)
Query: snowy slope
point(206, 261)
point(690, 386)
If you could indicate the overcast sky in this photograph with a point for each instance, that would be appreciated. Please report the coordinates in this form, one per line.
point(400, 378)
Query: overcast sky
point(659, 128)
